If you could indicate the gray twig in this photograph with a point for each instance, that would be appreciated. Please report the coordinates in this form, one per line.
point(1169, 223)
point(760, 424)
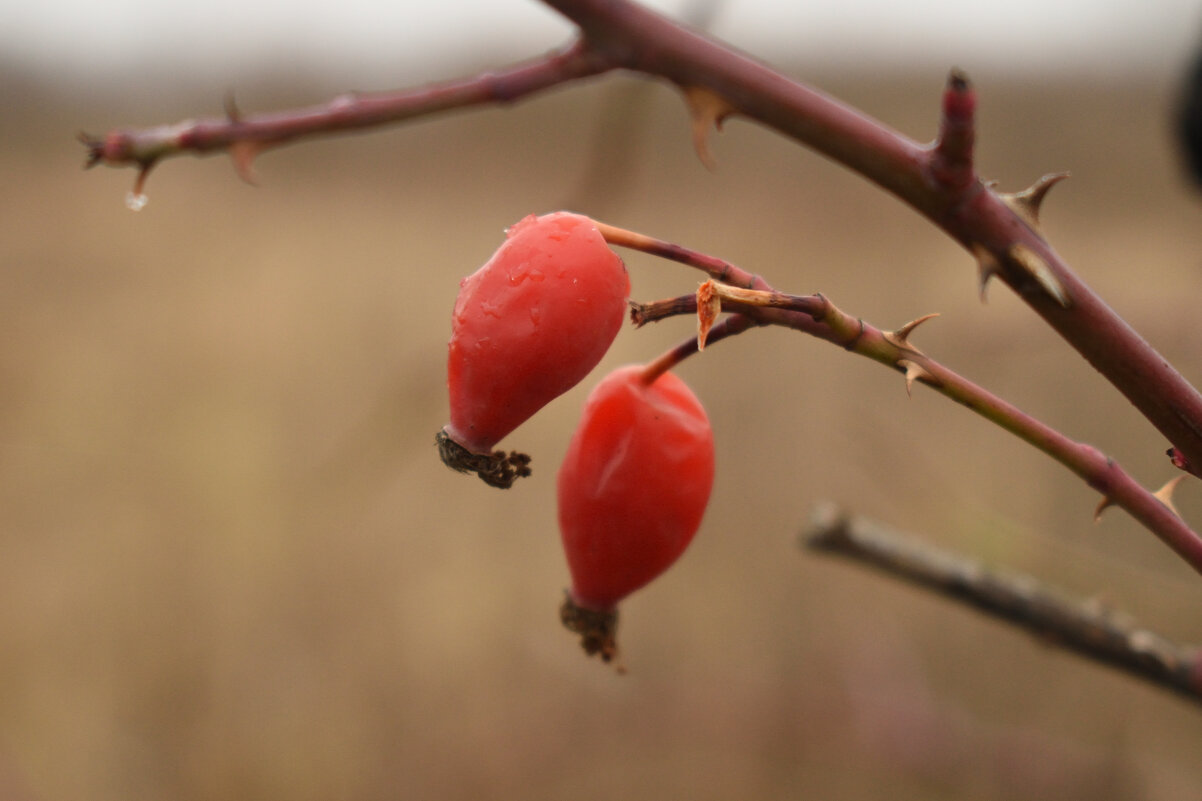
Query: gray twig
point(1087, 628)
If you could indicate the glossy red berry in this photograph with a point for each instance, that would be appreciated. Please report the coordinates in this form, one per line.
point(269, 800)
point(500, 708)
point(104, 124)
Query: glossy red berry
point(632, 491)
point(527, 327)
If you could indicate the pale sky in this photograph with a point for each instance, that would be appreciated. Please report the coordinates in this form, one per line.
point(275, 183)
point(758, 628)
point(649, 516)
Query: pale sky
point(371, 36)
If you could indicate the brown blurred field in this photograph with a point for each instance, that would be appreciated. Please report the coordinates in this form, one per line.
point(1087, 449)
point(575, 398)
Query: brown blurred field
point(232, 567)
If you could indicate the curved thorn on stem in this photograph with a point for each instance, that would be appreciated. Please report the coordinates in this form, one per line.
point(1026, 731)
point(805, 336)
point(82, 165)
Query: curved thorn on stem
point(708, 110)
point(1027, 203)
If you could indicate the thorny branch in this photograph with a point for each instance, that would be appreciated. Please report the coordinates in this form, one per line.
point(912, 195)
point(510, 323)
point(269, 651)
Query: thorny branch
point(1000, 230)
point(1086, 628)
point(245, 136)
point(817, 315)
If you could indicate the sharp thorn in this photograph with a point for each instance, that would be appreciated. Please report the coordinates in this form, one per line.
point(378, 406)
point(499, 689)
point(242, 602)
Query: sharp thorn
point(708, 110)
point(243, 155)
point(1103, 505)
point(987, 267)
point(1027, 203)
point(1033, 265)
point(231, 108)
point(901, 337)
point(1165, 493)
point(914, 372)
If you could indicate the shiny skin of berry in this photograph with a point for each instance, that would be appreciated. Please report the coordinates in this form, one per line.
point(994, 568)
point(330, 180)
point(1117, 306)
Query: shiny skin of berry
point(530, 324)
point(634, 484)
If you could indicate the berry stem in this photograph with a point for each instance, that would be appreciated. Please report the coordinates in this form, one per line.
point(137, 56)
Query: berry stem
point(730, 326)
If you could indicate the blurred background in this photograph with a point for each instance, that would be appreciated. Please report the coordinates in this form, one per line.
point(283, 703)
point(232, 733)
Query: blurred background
point(232, 566)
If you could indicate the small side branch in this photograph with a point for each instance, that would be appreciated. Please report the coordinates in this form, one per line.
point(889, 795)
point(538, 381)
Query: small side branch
point(1086, 628)
point(951, 163)
point(818, 316)
point(245, 136)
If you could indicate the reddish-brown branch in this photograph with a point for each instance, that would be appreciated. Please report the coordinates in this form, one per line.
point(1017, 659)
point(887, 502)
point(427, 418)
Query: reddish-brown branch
point(892, 348)
point(756, 300)
point(144, 147)
point(974, 215)
point(939, 180)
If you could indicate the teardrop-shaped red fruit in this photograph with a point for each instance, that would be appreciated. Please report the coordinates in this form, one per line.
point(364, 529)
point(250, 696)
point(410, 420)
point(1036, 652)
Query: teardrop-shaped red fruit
point(634, 484)
point(528, 326)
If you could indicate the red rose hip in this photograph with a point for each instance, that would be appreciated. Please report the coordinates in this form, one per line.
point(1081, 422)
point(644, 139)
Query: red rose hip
point(527, 327)
point(632, 491)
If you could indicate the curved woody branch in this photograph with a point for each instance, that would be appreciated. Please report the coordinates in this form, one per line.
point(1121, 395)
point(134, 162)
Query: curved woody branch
point(245, 136)
point(815, 314)
point(1000, 231)
point(753, 301)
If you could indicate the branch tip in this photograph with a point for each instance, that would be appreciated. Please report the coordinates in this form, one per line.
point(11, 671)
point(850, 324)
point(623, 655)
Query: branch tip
point(1178, 459)
point(952, 158)
point(95, 149)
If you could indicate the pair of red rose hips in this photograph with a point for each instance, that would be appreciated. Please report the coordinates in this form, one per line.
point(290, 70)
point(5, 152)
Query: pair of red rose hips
point(632, 489)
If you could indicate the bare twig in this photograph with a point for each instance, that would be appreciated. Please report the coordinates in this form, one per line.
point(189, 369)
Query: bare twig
point(1085, 628)
point(245, 136)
